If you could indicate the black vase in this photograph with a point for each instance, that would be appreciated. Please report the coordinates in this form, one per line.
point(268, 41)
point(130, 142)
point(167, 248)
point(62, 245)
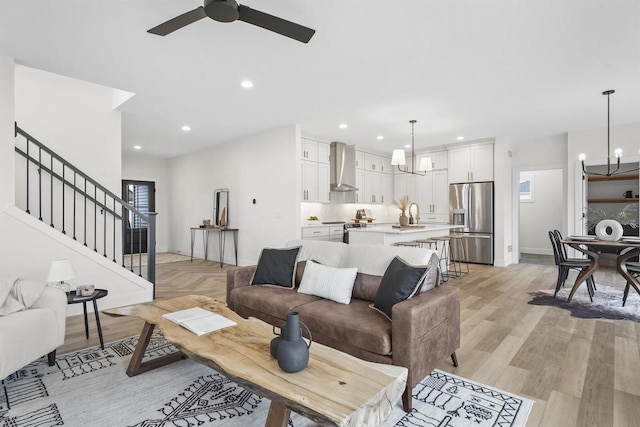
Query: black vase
point(273, 347)
point(292, 351)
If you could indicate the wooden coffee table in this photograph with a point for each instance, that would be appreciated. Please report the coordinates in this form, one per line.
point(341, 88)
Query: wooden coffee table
point(334, 389)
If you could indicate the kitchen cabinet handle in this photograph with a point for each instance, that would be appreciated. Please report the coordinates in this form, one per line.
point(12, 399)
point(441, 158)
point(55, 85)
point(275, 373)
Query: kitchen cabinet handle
point(471, 175)
point(317, 232)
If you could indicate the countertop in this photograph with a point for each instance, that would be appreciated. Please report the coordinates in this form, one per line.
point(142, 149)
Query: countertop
point(375, 224)
point(389, 230)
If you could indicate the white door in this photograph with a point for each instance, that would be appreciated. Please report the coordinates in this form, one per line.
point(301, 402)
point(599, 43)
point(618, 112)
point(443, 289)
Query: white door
point(323, 182)
point(440, 192)
point(360, 198)
point(309, 181)
point(482, 163)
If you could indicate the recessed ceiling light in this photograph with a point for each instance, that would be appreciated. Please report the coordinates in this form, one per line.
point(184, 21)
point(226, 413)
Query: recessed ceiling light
point(186, 128)
point(343, 126)
point(407, 146)
point(137, 147)
point(247, 84)
point(379, 137)
point(460, 138)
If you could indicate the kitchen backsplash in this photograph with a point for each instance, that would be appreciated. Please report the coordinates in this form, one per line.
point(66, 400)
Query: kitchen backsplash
point(347, 211)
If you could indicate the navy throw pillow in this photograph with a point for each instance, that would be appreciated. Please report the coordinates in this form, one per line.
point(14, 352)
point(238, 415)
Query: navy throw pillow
point(276, 267)
point(401, 281)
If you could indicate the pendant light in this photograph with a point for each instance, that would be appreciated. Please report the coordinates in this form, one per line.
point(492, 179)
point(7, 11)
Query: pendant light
point(398, 158)
point(617, 152)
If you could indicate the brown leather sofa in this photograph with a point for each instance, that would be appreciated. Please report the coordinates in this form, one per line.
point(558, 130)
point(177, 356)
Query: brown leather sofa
point(425, 329)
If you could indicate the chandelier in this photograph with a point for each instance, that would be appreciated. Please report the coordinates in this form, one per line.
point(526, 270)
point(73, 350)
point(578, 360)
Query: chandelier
point(617, 152)
point(398, 158)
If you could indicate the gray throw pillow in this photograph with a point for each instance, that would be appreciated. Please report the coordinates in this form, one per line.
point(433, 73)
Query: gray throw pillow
point(276, 267)
point(400, 282)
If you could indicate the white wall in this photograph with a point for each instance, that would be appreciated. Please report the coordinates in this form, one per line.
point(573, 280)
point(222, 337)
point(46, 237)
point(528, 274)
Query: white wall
point(539, 151)
point(263, 167)
point(145, 168)
point(503, 210)
point(544, 213)
point(74, 118)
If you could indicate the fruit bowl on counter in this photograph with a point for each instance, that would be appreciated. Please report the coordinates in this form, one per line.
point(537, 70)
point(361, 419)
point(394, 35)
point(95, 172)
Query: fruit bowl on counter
point(313, 220)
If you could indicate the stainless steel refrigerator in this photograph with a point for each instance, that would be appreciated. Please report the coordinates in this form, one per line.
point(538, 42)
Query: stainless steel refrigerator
point(471, 207)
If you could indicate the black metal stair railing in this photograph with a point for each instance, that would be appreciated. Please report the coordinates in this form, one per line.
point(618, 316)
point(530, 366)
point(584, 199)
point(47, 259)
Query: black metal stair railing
point(74, 202)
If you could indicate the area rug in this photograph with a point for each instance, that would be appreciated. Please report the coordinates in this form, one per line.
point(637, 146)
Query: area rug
point(607, 302)
point(90, 388)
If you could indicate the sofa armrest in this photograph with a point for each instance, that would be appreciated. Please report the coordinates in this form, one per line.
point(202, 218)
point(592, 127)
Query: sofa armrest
point(425, 329)
point(238, 277)
point(56, 301)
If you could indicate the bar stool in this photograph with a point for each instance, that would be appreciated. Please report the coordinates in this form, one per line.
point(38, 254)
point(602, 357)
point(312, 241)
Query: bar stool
point(429, 242)
point(459, 253)
point(445, 251)
point(409, 244)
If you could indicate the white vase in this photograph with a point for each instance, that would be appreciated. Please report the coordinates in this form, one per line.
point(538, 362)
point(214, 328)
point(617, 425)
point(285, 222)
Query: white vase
point(609, 230)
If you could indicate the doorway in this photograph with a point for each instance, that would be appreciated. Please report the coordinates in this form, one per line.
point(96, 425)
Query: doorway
point(142, 196)
point(540, 206)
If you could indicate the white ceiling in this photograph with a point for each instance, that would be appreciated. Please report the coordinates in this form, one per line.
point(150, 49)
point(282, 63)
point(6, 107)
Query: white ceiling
point(520, 69)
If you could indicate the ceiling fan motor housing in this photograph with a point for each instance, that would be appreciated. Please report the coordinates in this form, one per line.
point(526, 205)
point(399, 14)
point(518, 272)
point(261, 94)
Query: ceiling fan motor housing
point(221, 10)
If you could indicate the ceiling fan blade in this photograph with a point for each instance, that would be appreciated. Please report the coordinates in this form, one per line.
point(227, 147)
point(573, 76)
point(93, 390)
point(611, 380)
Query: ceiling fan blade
point(178, 22)
point(273, 23)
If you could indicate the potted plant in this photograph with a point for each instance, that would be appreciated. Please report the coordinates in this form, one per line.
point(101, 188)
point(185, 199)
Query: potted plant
point(402, 204)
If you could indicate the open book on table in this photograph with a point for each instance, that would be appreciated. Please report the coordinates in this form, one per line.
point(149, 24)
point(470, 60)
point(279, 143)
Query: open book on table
point(198, 320)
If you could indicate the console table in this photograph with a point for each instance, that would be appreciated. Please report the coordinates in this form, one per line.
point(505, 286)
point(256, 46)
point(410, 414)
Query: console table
point(222, 240)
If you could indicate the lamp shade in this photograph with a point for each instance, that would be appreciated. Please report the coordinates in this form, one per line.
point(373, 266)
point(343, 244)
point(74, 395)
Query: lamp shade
point(397, 158)
point(425, 164)
point(60, 271)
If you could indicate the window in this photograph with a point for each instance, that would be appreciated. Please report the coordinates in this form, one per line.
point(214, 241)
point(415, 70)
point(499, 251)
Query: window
point(526, 188)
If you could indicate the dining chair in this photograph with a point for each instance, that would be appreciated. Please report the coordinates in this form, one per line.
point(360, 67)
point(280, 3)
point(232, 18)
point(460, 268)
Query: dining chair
point(566, 264)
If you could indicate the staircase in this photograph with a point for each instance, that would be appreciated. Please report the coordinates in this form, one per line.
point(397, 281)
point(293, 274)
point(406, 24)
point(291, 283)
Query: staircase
point(59, 194)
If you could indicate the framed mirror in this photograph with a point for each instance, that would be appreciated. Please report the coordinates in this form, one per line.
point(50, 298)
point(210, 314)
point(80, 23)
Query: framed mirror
point(221, 207)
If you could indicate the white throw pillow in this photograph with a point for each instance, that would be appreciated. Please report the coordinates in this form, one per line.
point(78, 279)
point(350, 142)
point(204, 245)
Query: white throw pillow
point(6, 283)
point(331, 283)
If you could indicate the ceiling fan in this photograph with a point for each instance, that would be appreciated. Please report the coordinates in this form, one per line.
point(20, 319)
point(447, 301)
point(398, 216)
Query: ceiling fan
point(229, 11)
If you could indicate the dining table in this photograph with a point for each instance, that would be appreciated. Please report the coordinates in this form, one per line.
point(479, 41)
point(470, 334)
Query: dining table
point(589, 245)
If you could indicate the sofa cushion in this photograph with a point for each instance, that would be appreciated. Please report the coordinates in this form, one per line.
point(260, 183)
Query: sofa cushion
point(18, 294)
point(374, 259)
point(354, 323)
point(325, 253)
point(328, 282)
point(366, 286)
point(401, 281)
point(272, 300)
point(276, 267)
point(6, 283)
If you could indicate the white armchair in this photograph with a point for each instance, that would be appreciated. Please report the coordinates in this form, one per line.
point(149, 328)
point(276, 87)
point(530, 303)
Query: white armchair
point(30, 333)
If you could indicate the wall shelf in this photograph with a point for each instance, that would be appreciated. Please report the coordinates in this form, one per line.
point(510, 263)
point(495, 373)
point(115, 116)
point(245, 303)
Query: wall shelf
point(622, 177)
point(615, 200)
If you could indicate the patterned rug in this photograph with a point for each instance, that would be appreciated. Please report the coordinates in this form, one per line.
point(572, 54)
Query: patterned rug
point(607, 302)
point(90, 387)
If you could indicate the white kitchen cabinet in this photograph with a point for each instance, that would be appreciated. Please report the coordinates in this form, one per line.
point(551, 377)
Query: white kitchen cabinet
point(309, 149)
point(360, 197)
point(324, 152)
point(332, 233)
point(439, 159)
point(405, 185)
point(385, 165)
point(324, 183)
point(387, 189)
point(309, 181)
point(433, 196)
point(360, 160)
point(471, 163)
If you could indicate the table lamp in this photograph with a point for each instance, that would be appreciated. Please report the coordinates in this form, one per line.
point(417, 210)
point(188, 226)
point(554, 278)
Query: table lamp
point(60, 271)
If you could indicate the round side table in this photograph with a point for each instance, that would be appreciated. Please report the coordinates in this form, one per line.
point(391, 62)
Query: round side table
point(72, 298)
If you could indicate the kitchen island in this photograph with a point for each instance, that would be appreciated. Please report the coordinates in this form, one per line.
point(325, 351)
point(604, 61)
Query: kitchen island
point(387, 235)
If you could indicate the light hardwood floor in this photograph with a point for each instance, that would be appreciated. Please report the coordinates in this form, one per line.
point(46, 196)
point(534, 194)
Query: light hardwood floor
point(579, 372)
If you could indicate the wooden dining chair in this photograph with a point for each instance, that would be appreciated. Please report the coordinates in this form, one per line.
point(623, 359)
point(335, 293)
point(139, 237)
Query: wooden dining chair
point(566, 264)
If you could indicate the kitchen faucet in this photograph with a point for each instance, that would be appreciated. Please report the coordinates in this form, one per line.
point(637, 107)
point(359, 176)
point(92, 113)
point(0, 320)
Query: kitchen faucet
point(417, 212)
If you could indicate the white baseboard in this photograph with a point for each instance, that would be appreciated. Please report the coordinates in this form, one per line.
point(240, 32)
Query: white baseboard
point(536, 251)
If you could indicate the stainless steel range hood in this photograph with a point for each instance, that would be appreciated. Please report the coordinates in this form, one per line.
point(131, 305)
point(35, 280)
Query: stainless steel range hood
point(342, 168)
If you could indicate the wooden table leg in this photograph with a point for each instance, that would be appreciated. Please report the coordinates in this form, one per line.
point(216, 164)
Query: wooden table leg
point(136, 366)
point(278, 415)
point(621, 265)
point(584, 275)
